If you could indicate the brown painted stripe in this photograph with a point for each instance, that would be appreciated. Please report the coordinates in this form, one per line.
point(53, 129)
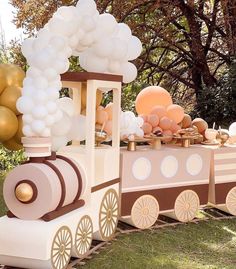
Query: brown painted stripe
point(105, 184)
point(221, 191)
point(225, 161)
point(62, 182)
point(165, 197)
point(225, 172)
point(73, 165)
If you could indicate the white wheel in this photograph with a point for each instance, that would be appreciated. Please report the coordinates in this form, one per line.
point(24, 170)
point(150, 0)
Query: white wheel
point(61, 248)
point(83, 236)
point(186, 206)
point(145, 212)
point(231, 201)
point(108, 215)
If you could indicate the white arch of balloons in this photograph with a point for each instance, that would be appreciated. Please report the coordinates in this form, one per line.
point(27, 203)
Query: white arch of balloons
point(102, 44)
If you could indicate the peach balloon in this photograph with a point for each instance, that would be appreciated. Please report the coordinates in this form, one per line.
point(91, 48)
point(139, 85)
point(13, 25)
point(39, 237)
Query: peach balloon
point(174, 127)
point(147, 128)
point(165, 123)
point(200, 124)
point(153, 120)
point(175, 112)
point(160, 111)
point(109, 109)
point(144, 117)
point(101, 116)
point(167, 133)
point(108, 127)
point(187, 121)
point(151, 97)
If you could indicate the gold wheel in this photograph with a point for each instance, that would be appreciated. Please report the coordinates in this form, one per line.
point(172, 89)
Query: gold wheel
point(83, 236)
point(186, 206)
point(145, 212)
point(61, 248)
point(108, 215)
point(231, 201)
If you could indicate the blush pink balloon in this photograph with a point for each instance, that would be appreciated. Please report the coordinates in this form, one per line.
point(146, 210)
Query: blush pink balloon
point(167, 133)
point(160, 111)
point(144, 117)
point(147, 128)
point(109, 110)
point(108, 127)
point(165, 123)
point(101, 116)
point(175, 112)
point(174, 127)
point(153, 120)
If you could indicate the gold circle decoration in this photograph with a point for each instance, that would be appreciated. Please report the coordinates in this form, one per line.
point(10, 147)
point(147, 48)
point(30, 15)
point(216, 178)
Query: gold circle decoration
point(61, 248)
point(108, 215)
point(186, 206)
point(231, 201)
point(83, 236)
point(24, 192)
point(144, 212)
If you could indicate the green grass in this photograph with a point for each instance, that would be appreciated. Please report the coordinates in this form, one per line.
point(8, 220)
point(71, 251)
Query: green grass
point(207, 245)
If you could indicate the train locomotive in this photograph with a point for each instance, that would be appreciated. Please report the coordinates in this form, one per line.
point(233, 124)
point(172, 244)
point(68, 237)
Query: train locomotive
point(58, 203)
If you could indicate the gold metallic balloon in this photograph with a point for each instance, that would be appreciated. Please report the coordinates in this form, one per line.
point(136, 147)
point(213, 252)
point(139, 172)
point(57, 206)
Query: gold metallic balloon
point(8, 124)
point(14, 74)
point(3, 81)
point(19, 134)
point(9, 97)
point(12, 144)
point(24, 192)
point(84, 96)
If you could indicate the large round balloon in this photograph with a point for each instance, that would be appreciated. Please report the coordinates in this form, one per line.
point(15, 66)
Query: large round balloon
point(8, 124)
point(3, 81)
point(9, 97)
point(14, 74)
point(175, 113)
point(150, 97)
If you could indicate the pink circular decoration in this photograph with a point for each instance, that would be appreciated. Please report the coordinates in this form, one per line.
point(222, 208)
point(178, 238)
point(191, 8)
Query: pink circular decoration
point(175, 112)
point(101, 116)
point(160, 111)
point(109, 110)
point(147, 128)
point(153, 120)
point(165, 123)
point(108, 127)
point(151, 97)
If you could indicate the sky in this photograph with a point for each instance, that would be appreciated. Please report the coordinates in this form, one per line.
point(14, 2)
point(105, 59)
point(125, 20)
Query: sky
point(6, 15)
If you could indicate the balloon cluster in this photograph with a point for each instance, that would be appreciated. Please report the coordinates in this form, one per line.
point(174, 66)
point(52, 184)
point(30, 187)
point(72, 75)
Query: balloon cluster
point(154, 104)
point(11, 79)
point(70, 127)
point(103, 46)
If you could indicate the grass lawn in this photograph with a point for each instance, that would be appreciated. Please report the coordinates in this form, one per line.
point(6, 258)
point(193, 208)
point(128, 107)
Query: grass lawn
point(208, 245)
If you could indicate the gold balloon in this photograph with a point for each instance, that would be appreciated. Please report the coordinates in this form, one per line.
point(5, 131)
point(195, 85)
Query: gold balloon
point(8, 124)
point(3, 81)
point(9, 97)
point(12, 144)
point(14, 74)
point(19, 134)
point(99, 96)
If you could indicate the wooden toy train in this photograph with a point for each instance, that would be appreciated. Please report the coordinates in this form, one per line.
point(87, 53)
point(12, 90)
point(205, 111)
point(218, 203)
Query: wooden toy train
point(59, 203)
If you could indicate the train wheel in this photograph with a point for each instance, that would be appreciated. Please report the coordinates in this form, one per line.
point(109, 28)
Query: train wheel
point(186, 206)
point(145, 212)
point(61, 248)
point(83, 236)
point(231, 201)
point(108, 215)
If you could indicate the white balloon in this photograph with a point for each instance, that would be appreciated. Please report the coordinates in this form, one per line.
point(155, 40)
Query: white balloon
point(38, 126)
point(103, 48)
point(27, 91)
point(24, 104)
point(39, 112)
point(42, 39)
point(61, 66)
point(46, 132)
point(58, 142)
point(56, 84)
point(51, 74)
point(28, 82)
point(87, 7)
point(51, 107)
point(27, 47)
point(124, 32)
point(58, 42)
point(66, 105)
point(96, 64)
point(83, 60)
point(27, 118)
point(87, 40)
point(78, 129)
point(44, 58)
point(129, 71)
point(66, 13)
point(134, 48)
point(232, 129)
point(58, 115)
point(107, 23)
point(49, 120)
point(88, 23)
point(41, 83)
point(53, 94)
point(63, 126)
point(120, 49)
point(33, 72)
point(27, 131)
point(114, 67)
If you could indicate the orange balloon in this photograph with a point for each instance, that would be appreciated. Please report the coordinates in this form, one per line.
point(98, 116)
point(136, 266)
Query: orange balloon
point(153, 120)
point(167, 133)
point(174, 127)
point(109, 110)
point(147, 128)
point(101, 116)
point(165, 123)
point(150, 97)
point(160, 111)
point(175, 112)
point(187, 121)
point(200, 124)
point(108, 127)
